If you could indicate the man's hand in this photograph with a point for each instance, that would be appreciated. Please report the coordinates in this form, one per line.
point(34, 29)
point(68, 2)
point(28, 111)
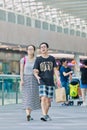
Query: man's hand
point(38, 79)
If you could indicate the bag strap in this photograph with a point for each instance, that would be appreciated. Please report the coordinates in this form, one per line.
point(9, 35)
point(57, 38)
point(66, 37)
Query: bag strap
point(24, 60)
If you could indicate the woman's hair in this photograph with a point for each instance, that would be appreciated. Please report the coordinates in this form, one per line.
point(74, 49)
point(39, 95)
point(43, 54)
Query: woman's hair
point(45, 44)
point(32, 46)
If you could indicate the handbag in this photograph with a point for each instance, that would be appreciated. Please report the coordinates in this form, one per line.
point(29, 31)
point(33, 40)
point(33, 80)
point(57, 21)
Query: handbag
point(60, 94)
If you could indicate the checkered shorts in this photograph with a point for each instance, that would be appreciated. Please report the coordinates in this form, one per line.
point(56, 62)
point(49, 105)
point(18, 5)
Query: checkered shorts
point(46, 91)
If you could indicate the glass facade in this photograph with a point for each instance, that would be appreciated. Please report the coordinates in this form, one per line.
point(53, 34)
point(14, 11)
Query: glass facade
point(9, 62)
point(28, 21)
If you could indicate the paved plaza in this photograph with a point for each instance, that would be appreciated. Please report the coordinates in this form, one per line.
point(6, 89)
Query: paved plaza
point(12, 117)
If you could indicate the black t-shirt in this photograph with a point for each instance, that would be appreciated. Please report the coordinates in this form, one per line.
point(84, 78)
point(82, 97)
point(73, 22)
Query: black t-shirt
point(46, 69)
point(84, 75)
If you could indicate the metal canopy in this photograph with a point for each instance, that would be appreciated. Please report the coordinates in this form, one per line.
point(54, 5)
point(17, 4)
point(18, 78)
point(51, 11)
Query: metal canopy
point(67, 13)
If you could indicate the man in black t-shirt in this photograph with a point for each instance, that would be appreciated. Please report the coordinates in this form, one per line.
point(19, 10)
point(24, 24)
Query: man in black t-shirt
point(44, 69)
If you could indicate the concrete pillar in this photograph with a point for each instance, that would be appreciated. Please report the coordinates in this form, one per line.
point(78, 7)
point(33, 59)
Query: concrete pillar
point(77, 65)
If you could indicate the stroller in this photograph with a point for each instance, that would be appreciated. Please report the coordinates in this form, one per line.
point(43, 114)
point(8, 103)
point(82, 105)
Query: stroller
point(74, 97)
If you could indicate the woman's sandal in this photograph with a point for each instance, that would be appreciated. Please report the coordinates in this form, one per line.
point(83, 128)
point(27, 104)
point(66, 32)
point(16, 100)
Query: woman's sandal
point(29, 118)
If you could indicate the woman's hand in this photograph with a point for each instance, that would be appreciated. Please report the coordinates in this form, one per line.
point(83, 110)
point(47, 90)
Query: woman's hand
point(58, 83)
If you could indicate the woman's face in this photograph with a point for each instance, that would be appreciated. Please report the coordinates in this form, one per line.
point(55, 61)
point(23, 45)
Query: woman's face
point(30, 50)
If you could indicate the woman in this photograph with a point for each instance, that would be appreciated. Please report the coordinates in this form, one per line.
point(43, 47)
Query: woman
point(83, 83)
point(30, 92)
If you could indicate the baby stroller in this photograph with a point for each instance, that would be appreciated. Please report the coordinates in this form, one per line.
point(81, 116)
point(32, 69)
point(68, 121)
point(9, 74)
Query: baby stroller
point(74, 92)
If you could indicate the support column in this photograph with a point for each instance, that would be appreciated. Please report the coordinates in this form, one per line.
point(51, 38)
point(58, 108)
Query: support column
point(77, 65)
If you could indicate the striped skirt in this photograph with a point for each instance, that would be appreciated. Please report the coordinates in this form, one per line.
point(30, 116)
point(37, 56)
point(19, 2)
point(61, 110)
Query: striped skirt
point(30, 93)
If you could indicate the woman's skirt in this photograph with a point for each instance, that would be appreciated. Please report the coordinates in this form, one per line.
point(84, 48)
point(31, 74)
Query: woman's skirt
point(30, 93)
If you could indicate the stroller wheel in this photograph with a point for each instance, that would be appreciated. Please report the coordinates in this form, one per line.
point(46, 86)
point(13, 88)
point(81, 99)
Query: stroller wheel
point(79, 103)
point(71, 103)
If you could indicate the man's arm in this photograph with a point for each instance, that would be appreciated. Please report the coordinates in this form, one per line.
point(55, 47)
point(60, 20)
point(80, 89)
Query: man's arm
point(36, 72)
point(57, 76)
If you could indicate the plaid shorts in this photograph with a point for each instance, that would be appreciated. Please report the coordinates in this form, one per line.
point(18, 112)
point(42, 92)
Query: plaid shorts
point(46, 91)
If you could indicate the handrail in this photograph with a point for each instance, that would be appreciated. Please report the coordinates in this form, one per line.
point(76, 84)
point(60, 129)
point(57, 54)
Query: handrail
point(9, 75)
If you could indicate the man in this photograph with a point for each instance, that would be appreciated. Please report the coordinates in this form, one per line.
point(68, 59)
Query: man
point(44, 69)
point(83, 82)
point(65, 74)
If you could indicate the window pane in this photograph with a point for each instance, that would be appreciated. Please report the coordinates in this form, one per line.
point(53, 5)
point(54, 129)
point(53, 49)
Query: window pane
point(52, 27)
point(45, 25)
point(59, 29)
point(11, 17)
point(37, 24)
point(2, 15)
point(83, 34)
point(72, 32)
point(77, 33)
point(66, 30)
point(20, 19)
point(28, 21)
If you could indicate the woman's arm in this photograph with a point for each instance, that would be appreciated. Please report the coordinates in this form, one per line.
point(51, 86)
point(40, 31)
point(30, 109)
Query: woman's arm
point(21, 73)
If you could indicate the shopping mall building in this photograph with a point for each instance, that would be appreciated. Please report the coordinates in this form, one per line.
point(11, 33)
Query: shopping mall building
point(62, 25)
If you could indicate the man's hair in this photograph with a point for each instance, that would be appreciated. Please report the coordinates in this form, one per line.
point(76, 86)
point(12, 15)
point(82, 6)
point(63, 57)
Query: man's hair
point(45, 44)
point(63, 60)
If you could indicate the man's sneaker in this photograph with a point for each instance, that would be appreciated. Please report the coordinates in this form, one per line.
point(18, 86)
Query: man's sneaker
point(46, 118)
point(43, 118)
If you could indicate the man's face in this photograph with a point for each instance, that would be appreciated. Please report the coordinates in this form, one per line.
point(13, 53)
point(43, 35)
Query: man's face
point(65, 63)
point(43, 49)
